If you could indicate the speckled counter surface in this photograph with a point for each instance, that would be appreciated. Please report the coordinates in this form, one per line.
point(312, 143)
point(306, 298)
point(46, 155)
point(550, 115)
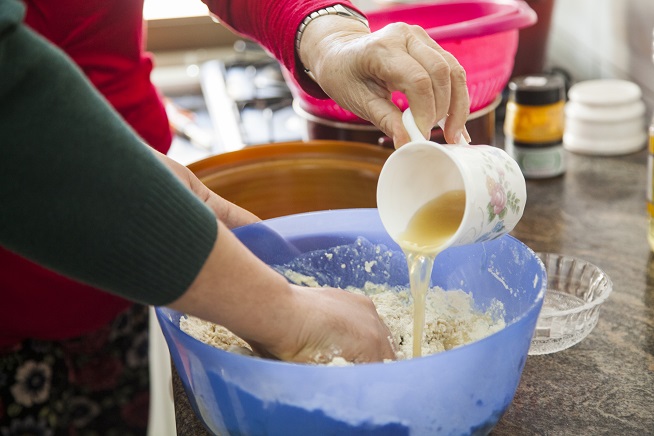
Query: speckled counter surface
point(605, 384)
point(185, 420)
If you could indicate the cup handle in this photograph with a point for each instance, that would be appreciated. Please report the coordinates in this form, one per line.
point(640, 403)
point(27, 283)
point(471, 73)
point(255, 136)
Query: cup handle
point(411, 127)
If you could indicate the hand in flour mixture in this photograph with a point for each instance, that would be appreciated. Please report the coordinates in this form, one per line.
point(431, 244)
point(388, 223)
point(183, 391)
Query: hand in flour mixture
point(359, 70)
point(282, 320)
point(336, 323)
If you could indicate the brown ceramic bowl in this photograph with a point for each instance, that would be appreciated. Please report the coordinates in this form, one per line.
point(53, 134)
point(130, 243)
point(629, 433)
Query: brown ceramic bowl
point(280, 179)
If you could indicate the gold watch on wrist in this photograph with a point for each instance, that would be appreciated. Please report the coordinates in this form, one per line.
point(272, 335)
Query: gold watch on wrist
point(340, 10)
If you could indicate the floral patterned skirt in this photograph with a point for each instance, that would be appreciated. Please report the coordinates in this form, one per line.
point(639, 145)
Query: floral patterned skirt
point(96, 384)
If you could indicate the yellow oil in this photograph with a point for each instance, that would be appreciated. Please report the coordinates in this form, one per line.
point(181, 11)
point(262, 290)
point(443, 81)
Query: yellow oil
point(434, 223)
point(428, 230)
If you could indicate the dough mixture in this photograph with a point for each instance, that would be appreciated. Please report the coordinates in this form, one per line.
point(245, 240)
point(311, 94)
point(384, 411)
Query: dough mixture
point(450, 321)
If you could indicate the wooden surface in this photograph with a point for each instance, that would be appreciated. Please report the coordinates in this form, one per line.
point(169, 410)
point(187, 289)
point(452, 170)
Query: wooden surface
point(605, 384)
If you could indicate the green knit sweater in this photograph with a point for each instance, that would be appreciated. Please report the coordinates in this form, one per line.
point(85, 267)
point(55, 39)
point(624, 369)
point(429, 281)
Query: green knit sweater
point(79, 192)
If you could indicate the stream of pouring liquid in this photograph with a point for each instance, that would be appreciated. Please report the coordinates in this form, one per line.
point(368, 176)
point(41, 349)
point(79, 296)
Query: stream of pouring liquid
point(428, 230)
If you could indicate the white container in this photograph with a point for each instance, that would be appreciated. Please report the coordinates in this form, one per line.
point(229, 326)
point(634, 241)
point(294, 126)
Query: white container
point(605, 117)
point(420, 171)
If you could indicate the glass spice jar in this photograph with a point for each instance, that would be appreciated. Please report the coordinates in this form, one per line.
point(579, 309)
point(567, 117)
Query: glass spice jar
point(533, 124)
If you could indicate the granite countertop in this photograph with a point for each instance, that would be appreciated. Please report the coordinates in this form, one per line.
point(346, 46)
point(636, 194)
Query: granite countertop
point(605, 384)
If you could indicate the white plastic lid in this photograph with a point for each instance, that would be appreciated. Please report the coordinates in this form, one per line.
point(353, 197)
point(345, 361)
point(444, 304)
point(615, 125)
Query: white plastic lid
point(611, 147)
point(604, 92)
point(605, 114)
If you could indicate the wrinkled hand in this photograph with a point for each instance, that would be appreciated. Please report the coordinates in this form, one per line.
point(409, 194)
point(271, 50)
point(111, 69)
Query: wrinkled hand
point(332, 322)
point(226, 211)
point(359, 70)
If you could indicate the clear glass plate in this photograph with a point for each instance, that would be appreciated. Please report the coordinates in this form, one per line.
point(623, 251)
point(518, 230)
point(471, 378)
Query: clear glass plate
point(575, 291)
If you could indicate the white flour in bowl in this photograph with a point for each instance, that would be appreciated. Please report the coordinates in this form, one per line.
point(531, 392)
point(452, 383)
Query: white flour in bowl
point(451, 319)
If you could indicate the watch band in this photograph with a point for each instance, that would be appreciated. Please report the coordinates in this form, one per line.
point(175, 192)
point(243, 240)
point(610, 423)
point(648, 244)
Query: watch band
point(339, 10)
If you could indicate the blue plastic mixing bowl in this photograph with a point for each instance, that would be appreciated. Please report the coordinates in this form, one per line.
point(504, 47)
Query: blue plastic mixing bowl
point(461, 391)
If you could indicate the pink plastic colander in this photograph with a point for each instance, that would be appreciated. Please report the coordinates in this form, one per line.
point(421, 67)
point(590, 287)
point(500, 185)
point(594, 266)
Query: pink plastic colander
point(481, 34)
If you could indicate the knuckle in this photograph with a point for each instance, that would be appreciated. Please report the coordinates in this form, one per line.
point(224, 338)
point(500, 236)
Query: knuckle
point(441, 68)
point(415, 29)
point(458, 73)
point(422, 82)
point(401, 27)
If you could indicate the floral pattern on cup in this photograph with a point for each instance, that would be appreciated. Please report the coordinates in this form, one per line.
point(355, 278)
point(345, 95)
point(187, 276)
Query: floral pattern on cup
point(502, 200)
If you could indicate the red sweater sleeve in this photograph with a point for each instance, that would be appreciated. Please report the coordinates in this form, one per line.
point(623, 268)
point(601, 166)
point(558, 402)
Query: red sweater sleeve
point(273, 24)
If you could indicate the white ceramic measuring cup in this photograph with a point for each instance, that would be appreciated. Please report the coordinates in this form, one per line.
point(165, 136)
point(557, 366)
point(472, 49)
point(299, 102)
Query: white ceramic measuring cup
point(420, 171)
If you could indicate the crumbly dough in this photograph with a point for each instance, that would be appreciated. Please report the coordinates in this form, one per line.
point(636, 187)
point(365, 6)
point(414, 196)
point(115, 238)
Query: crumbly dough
point(450, 320)
point(212, 334)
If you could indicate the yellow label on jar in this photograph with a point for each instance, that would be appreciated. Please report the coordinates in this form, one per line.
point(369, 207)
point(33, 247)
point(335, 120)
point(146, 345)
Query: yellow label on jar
point(534, 124)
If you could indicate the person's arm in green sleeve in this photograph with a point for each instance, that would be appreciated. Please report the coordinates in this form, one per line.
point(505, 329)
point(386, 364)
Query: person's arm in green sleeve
point(79, 192)
point(81, 195)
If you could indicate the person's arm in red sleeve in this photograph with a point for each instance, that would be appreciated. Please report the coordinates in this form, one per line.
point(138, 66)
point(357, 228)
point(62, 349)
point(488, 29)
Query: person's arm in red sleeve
point(273, 24)
point(358, 69)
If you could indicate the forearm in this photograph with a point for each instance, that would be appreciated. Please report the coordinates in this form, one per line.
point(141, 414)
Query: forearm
point(79, 192)
point(251, 299)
